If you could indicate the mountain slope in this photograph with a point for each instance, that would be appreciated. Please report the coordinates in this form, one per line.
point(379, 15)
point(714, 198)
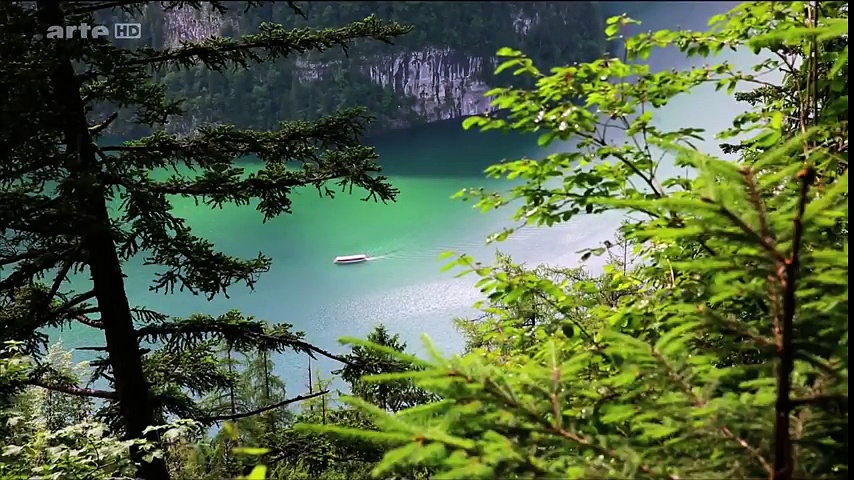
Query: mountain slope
point(439, 71)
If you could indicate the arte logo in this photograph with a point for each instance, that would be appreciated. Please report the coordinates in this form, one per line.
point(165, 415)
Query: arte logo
point(84, 30)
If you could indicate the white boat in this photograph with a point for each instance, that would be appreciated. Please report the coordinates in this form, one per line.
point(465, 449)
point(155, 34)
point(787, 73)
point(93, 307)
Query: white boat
point(351, 259)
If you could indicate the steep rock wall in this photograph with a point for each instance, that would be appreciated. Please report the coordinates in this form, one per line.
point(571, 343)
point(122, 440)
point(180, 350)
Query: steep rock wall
point(444, 83)
point(188, 24)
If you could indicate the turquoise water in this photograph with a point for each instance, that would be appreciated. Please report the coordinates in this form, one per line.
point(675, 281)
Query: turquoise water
point(403, 287)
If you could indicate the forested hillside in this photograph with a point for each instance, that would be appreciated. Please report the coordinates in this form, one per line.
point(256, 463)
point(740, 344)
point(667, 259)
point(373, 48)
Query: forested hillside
point(440, 70)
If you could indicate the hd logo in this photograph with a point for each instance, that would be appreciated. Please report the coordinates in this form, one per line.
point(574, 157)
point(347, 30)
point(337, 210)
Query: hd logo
point(84, 30)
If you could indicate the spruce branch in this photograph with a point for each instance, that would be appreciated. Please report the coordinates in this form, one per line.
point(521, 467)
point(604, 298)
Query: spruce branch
point(96, 129)
point(241, 333)
point(838, 401)
point(74, 390)
point(274, 40)
point(701, 402)
point(89, 322)
point(508, 398)
point(92, 7)
point(237, 416)
point(68, 307)
point(744, 227)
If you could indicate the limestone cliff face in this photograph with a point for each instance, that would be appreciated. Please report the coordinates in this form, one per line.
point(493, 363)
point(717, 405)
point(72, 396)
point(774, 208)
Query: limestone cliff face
point(444, 83)
point(188, 24)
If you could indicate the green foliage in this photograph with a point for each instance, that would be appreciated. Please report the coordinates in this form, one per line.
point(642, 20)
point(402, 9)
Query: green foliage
point(82, 450)
point(722, 350)
point(522, 312)
point(14, 371)
point(47, 437)
point(56, 410)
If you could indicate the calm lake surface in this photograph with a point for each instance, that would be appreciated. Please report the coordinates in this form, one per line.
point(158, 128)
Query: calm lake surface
point(403, 287)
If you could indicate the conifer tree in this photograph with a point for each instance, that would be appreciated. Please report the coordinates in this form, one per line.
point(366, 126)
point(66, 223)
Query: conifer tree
point(391, 396)
point(75, 204)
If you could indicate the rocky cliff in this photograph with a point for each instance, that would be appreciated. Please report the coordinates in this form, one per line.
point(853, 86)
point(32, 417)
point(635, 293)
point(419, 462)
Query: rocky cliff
point(439, 71)
point(443, 82)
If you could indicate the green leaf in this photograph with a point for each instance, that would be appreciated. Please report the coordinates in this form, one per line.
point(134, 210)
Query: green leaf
point(251, 451)
point(508, 52)
point(767, 139)
point(514, 295)
point(840, 63)
point(576, 472)
point(655, 431)
point(612, 30)
point(777, 121)
point(395, 458)
point(664, 343)
point(546, 138)
point(837, 193)
point(449, 266)
point(446, 255)
point(474, 121)
point(229, 431)
point(506, 65)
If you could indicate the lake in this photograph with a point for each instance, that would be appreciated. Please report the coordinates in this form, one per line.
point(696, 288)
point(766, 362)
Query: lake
point(403, 287)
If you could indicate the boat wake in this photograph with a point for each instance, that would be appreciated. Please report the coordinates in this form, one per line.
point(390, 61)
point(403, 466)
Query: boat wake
point(422, 251)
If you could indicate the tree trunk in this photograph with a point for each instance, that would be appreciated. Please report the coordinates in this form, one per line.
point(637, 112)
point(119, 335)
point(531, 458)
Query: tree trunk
point(134, 396)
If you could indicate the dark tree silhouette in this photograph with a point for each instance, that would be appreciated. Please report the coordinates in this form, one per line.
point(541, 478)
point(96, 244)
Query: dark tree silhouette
point(60, 180)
